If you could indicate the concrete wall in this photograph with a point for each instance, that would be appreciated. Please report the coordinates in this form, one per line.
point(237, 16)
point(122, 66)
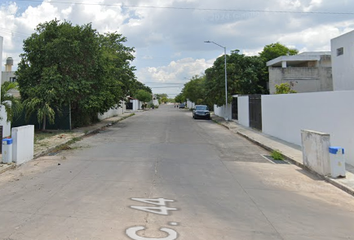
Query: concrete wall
point(6, 126)
point(303, 79)
point(155, 102)
point(219, 111)
point(315, 151)
point(23, 144)
point(343, 65)
point(111, 113)
point(285, 115)
point(243, 111)
point(136, 104)
point(190, 104)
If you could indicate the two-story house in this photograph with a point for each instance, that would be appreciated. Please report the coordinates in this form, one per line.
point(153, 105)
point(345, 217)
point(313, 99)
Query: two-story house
point(305, 72)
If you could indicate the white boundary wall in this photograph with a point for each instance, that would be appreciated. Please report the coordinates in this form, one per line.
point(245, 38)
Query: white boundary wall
point(219, 111)
point(23, 144)
point(243, 111)
point(285, 115)
point(190, 104)
point(112, 112)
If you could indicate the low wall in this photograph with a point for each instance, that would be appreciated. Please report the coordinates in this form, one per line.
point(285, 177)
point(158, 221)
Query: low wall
point(285, 115)
point(219, 111)
point(243, 111)
point(23, 144)
point(190, 104)
point(111, 113)
point(315, 151)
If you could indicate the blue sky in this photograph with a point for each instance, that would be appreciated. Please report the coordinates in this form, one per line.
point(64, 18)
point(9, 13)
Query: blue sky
point(169, 35)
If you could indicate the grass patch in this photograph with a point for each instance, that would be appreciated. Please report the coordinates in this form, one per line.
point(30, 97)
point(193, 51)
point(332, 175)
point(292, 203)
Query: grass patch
point(276, 155)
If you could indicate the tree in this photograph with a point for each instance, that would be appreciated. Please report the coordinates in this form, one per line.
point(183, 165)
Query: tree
point(81, 68)
point(194, 90)
point(162, 97)
point(244, 76)
point(275, 50)
point(12, 104)
point(143, 96)
point(180, 98)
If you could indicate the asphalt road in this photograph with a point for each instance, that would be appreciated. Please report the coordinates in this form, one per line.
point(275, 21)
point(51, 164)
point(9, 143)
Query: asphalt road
point(161, 175)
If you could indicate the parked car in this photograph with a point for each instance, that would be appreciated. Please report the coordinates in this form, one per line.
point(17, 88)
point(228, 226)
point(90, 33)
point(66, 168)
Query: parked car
point(201, 111)
point(182, 105)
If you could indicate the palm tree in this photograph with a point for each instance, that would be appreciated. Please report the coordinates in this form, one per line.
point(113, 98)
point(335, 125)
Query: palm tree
point(42, 108)
point(12, 104)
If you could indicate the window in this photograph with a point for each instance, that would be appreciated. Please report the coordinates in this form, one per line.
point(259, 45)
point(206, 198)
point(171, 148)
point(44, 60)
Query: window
point(340, 51)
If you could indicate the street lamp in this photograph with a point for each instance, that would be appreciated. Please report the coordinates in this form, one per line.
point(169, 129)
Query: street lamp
point(225, 111)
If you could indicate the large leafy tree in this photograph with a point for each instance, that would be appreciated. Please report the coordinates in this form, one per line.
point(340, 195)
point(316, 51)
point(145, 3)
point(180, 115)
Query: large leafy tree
point(244, 76)
point(143, 95)
point(194, 90)
point(275, 50)
point(66, 65)
point(180, 98)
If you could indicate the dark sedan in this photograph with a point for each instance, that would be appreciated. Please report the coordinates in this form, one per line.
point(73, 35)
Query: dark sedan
point(201, 111)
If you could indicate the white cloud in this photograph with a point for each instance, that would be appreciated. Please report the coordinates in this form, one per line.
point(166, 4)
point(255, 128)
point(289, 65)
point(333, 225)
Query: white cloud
point(168, 35)
point(175, 71)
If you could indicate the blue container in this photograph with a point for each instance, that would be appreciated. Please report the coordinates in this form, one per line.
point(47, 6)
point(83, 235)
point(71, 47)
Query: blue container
point(7, 141)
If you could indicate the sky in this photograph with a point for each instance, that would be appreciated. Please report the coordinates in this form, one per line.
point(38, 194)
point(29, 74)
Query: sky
point(169, 36)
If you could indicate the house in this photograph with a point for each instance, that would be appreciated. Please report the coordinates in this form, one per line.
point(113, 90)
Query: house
point(305, 72)
point(343, 61)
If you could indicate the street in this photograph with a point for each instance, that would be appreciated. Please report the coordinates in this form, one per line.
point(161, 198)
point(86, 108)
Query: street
point(160, 175)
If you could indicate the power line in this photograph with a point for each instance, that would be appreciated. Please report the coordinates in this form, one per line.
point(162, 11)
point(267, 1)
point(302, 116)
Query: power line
point(195, 9)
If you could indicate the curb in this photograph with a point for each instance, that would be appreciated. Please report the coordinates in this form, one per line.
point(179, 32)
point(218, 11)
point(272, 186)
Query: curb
point(292, 161)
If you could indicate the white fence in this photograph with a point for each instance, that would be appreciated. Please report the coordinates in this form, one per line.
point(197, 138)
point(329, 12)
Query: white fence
point(113, 112)
point(220, 111)
point(285, 115)
point(23, 144)
point(243, 111)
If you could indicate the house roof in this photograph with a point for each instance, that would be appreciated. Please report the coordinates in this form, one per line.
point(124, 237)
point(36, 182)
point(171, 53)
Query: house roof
point(297, 59)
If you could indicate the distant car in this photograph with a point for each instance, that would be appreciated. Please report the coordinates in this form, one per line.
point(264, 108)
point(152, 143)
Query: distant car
point(182, 105)
point(201, 111)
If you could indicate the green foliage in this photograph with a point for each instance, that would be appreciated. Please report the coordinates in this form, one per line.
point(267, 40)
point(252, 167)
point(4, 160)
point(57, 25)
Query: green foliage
point(180, 98)
point(12, 104)
point(276, 155)
point(194, 90)
point(275, 50)
point(244, 76)
point(284, 88)
point(66, 65)
point(143, 95)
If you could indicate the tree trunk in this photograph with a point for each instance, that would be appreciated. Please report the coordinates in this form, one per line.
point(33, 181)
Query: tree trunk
point(44, 122)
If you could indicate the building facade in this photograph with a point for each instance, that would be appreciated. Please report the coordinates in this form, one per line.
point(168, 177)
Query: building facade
point(342, 48)
point(305, 72)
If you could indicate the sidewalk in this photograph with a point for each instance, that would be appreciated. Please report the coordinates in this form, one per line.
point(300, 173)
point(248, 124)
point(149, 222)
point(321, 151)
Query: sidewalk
point(291, 152)
point(47, 145)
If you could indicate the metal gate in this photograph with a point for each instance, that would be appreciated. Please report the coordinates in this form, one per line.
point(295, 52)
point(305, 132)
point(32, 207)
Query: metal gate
point(234, 108)
point(255, 111)
point(129, 105)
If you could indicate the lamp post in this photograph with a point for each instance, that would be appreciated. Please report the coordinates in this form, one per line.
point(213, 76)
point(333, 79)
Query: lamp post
point(225, 111)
